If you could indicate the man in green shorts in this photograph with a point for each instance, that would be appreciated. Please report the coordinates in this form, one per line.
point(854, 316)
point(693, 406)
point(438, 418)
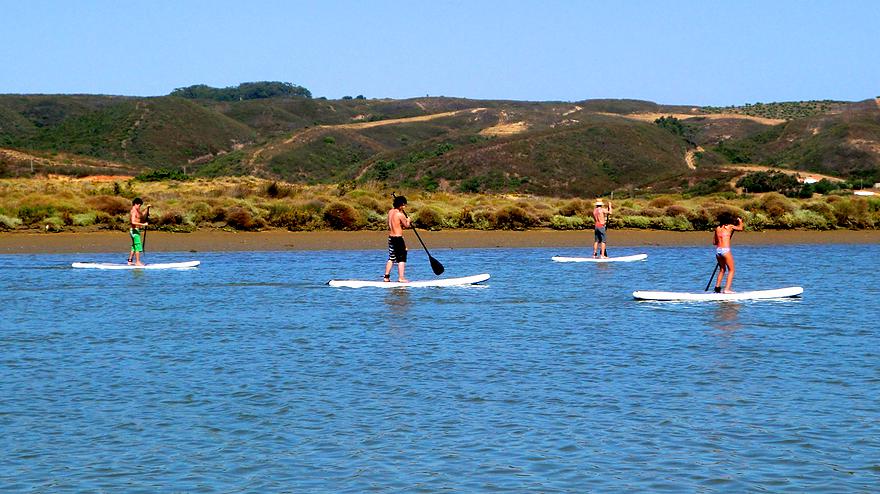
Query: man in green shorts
point(136, 223)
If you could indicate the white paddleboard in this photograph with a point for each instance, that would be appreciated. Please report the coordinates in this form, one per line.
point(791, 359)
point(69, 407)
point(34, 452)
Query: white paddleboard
point(636, 257)
point(792, 291)
point(108, 265)
point(467, 280)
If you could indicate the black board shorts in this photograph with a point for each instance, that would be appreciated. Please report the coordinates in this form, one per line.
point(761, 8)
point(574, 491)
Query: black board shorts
point(396, 249)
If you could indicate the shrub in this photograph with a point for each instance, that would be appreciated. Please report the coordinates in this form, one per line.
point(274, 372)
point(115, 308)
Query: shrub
point(652, 212)
point(701, 219)
point(803, 218)
point(170, 218)
point(852, 213)
point(291, 217)
point(315, 205)
point(677, 210)
point(757, 221)
point(217, 214)
point(512, 218)
point(377, 221)
point(109, 204)
point(242, 219)
point(575, 207)
point(54, 224)
point(369, 204)
point(559, 222)
point(661, 202)
point(429, 218)
point(161, 174)
point(775, 205)
point(276, 191)
point(30, 215)
point(821, 208)
point(635, 221)
point(8, 223)
point(341, 216)
point(198, 213)
point(674, 223)
point(102, 218)
point(85, 219)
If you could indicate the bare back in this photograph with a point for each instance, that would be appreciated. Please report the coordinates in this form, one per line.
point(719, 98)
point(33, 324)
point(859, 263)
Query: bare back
point(397, 221)
point(599, 216)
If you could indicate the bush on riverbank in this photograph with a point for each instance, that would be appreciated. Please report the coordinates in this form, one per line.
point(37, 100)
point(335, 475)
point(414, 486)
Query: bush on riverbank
point(250, 204)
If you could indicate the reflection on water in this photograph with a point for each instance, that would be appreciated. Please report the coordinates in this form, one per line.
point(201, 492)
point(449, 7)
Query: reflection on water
point(727, 316)
point(398, 301)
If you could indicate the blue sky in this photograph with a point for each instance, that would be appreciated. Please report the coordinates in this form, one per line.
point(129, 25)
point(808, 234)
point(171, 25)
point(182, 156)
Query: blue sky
point(675, 52)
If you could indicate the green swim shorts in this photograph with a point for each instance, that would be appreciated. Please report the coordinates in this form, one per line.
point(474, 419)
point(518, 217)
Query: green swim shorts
point(136, 245)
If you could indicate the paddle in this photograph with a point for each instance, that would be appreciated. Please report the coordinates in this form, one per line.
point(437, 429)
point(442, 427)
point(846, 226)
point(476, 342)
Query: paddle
point(610, 201)
point(713, 275)
point(144, 240)
point(435, 264)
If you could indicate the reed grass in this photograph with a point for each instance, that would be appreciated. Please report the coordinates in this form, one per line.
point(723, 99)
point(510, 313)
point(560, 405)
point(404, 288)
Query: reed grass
point(249, 203)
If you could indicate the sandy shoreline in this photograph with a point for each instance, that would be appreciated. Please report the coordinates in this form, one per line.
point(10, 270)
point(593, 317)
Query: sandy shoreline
point(221, 241)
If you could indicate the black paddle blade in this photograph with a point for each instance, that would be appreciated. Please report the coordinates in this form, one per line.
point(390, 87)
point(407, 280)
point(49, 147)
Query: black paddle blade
point(436, 266)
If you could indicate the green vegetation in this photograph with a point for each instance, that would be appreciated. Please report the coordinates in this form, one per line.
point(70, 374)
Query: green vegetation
point(244, 91)
point(277, 131)
point(788, 110)
point(250, 204)
point(676, 126)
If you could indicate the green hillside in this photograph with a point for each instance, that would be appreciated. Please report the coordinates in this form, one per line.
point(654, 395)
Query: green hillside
point(785, 110)
point(277, 131)
point(163, 131)
point(591, 158)
point(845, 144)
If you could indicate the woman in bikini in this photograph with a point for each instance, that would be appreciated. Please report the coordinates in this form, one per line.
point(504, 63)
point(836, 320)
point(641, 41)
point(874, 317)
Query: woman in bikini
point(727, 224)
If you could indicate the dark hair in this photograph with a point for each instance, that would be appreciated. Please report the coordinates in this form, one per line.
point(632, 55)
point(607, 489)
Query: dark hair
point(137, 200)
point(399, 201)
point(726, 218)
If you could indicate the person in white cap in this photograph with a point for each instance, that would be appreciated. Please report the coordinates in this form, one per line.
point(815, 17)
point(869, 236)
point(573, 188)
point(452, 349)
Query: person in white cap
point(600, 216)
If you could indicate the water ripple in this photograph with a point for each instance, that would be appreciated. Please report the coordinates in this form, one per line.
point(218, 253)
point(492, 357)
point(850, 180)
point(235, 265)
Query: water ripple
point(245, 375)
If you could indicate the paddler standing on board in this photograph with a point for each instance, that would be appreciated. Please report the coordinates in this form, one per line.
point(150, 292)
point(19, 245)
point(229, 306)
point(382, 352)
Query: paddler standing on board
point(600, 218)
point(136, 223)
point(727, 224)
point(397, 221)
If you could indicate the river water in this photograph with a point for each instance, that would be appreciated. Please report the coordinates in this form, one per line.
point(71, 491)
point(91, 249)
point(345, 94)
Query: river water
point(249, 374)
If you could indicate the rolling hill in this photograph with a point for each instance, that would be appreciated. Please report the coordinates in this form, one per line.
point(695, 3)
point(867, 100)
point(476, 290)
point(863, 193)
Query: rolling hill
point(558, 148)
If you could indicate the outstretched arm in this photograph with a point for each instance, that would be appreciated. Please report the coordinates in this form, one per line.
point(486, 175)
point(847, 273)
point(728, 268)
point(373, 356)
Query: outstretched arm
point(739, 225)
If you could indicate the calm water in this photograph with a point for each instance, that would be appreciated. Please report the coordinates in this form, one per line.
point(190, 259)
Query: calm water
point(250, 375)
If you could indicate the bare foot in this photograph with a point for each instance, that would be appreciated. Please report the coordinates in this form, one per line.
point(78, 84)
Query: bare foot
point(728, 291)
point(604, 257)
point(140, 264)
point(402, 280)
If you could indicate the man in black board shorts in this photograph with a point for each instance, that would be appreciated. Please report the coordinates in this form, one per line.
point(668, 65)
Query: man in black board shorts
point(397, 221)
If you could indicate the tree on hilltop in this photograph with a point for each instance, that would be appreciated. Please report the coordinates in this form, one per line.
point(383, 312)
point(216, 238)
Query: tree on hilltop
point(244, 91)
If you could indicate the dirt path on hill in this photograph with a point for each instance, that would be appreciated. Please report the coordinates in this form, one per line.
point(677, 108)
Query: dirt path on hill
point(650, 117)
point(24, 157)
point(306, 135)
point(393, 121)
point(690, 157)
